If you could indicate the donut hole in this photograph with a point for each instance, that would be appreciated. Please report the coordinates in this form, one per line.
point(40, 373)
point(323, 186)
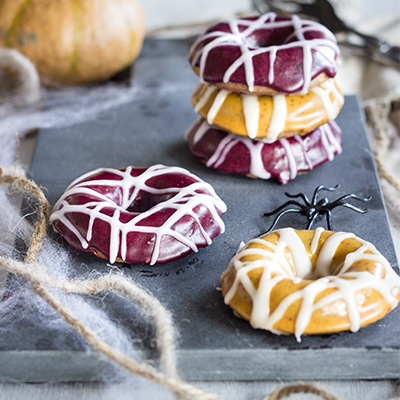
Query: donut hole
point(267, 38)
point(144, 201)
point(320, 271)
point(309, 274)
point(281, 292)
point(279, 36)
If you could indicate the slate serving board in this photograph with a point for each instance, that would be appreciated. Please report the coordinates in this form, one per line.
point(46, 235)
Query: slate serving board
point(213, 343)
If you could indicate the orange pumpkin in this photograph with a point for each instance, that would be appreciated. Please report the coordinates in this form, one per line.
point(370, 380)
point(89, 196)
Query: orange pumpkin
point(74, 41)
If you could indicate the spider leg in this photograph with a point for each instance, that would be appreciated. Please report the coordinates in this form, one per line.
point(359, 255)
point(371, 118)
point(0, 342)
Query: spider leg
point(283, 206)
point(321, 187)
point(329, 219)
point(354, 208)
point(341, 202)
point(279, 217)
point(312, 220)
point(353, 196)
point(316, 192)
point(302, 195)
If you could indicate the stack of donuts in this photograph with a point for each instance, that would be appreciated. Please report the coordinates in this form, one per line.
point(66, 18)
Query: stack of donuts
point(267, 97)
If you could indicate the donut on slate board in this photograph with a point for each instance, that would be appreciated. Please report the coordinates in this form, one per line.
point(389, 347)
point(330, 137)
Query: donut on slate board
point(310, 282)
point(139, 215)
point(265, 54)
point(266, 80)
point(282, 160)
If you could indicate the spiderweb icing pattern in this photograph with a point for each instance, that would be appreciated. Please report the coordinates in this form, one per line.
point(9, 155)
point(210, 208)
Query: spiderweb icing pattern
point(329, 142)
point(276, 267)
point(183, 202)
point(240, 38)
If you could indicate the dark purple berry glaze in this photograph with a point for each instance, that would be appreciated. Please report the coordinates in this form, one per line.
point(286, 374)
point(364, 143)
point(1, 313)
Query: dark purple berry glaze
point(284, 48)
point(192, 221)
point(282, 160)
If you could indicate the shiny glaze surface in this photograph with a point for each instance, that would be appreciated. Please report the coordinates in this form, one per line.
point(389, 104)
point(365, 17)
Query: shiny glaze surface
point(284, 54)
point(139, 215)
point(282, 160)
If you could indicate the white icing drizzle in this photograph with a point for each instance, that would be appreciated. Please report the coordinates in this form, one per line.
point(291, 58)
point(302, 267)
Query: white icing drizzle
point(304, 119)
point(248, 50)
point(221, 151)
point(201, 131)
point(307, 55)
point(272, 57)
point(290, 158)
point(278, 119)
point(322, 265)
point(329, 141)
point(315, 241)
point(344, 300)
point(330, 86)
point(289, 239)
point(323, 91)
point(184, 200)
point(255, 147)
point(307, 159)
point(218, 101)
point(204, 98)
point(251, 110)
point(324, 96)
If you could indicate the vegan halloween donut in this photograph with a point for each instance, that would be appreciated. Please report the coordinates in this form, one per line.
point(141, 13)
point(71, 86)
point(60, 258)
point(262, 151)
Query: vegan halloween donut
point(266, 54)
point(139, 215)
point(268, 117)
point(282, 160)
point(310, 282)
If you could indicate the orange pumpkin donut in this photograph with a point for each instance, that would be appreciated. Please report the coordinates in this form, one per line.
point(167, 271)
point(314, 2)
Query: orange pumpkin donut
point(310, 282)
point(268, 117)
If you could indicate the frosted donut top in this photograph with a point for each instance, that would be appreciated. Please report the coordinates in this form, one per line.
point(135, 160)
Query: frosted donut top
point(276, 267)
point(109, 194)
point(283, 54)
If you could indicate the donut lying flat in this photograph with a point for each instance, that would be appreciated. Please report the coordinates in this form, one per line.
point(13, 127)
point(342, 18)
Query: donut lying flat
point(268, 117)
point(265, 54)
point(310, 282)
point(139, 215)
point(282, 160)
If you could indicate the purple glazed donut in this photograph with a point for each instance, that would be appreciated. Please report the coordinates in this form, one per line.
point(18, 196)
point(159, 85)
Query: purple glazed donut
point(282, 160)
point(265, 54)
point(139, 215)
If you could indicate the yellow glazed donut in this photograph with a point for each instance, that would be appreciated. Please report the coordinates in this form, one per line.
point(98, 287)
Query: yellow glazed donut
point(310, 282)
point(268, 117)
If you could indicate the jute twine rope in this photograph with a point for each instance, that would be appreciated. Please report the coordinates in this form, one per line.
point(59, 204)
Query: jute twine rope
point(286, 391)
point(377, 112)
point(37, 276)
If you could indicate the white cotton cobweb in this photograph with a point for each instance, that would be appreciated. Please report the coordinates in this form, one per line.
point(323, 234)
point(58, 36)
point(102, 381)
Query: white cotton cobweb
point(23, 311)
point(57, 107)
point(67, 106)
point(28, 323)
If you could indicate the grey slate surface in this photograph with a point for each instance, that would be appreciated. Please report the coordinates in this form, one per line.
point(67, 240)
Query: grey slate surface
point(213, 343)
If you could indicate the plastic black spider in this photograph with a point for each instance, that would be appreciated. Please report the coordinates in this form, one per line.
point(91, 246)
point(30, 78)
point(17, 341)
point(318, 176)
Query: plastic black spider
point(315, 209)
